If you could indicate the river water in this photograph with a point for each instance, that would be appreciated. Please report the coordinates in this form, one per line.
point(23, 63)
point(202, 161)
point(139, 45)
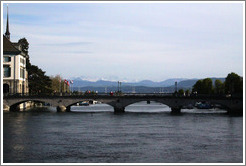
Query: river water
point(146, 133)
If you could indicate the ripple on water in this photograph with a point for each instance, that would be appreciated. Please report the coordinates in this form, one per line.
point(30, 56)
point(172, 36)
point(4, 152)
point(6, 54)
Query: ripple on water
point(144, 134)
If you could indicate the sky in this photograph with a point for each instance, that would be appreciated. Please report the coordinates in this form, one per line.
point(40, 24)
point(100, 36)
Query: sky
point(131, 41)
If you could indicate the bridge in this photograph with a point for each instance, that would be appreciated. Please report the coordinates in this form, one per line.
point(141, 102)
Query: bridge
point(119, 102)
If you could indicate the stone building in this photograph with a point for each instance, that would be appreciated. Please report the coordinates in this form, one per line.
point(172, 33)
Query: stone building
point(15, 76)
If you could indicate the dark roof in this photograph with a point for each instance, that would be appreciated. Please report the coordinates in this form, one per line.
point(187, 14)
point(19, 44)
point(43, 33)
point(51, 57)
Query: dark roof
point(17, 45)
point(8, 47)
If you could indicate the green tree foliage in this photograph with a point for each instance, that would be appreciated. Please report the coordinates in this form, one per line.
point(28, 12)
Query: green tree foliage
point(207, 86)
point(56, 83)
point(181, 92)
point(233, 84)
point(38, 82)
point(187, 92)
point(204, 86)
point(197, 87)
point(24, 45)
point(219, 87)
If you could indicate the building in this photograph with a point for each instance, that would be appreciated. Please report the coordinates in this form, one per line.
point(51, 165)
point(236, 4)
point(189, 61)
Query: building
point(15, 76)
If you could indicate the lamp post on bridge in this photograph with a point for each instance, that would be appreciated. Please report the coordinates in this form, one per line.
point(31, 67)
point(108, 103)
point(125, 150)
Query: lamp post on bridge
point(176, 88)
point(118, 86)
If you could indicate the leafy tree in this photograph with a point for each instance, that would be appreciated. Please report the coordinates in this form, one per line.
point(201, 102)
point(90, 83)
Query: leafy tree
point(187, 92)
point(56, 83)
point(24, 45)
point(38, 82)
point(181, 92)
point(233, 84)
point(204, 86)
point(197, 87)
point(219, 87)
point(207, 86)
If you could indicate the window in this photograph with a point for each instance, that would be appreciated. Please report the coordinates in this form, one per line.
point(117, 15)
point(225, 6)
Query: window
point(22, 61)
point(22, 73)
point(6, 71)
point(6, 59)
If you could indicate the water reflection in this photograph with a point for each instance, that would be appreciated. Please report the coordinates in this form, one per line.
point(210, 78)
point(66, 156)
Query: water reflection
point(137, 136)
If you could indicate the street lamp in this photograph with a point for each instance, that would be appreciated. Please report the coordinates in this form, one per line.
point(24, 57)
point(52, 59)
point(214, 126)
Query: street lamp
point(176, 86)
point(120, 86)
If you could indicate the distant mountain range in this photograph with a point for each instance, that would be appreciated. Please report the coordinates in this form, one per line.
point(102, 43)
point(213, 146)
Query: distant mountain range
point(182, 83)
point(190, 82)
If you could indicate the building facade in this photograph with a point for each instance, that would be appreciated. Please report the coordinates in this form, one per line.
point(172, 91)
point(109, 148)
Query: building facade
point(15, 76)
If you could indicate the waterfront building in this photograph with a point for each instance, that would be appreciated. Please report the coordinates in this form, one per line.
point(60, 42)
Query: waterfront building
point(15, 76)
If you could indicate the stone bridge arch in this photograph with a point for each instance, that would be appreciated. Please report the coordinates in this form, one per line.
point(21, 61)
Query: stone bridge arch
point(120, 104)
point(130, 102)
point(232, 106)
point(14, 104)
point(68, 104)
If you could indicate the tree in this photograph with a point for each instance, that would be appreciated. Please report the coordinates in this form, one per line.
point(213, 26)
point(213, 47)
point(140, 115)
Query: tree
point(233, 84)
point(38, 82)
point(24, 45)
point(204, 86)
point(197, 87)
point(219, 87)
point(207, 86)
point(187, 92)
point(181, 92)
point(56, 83)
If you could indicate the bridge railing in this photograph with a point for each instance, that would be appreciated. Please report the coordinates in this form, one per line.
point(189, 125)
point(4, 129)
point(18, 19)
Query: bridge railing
point(200, 96)
point(83, 94)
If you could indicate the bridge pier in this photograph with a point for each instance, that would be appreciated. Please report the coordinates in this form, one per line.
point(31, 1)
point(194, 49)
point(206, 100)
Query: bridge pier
point(236, 112)
point(119, 109)
point(68, 109)
point(176, 110)
point(61, 108)
point(6, 108)
point(14, 108)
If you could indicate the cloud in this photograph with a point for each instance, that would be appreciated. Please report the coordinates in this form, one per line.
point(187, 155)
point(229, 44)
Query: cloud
point(67, 44)
point(133, 41)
